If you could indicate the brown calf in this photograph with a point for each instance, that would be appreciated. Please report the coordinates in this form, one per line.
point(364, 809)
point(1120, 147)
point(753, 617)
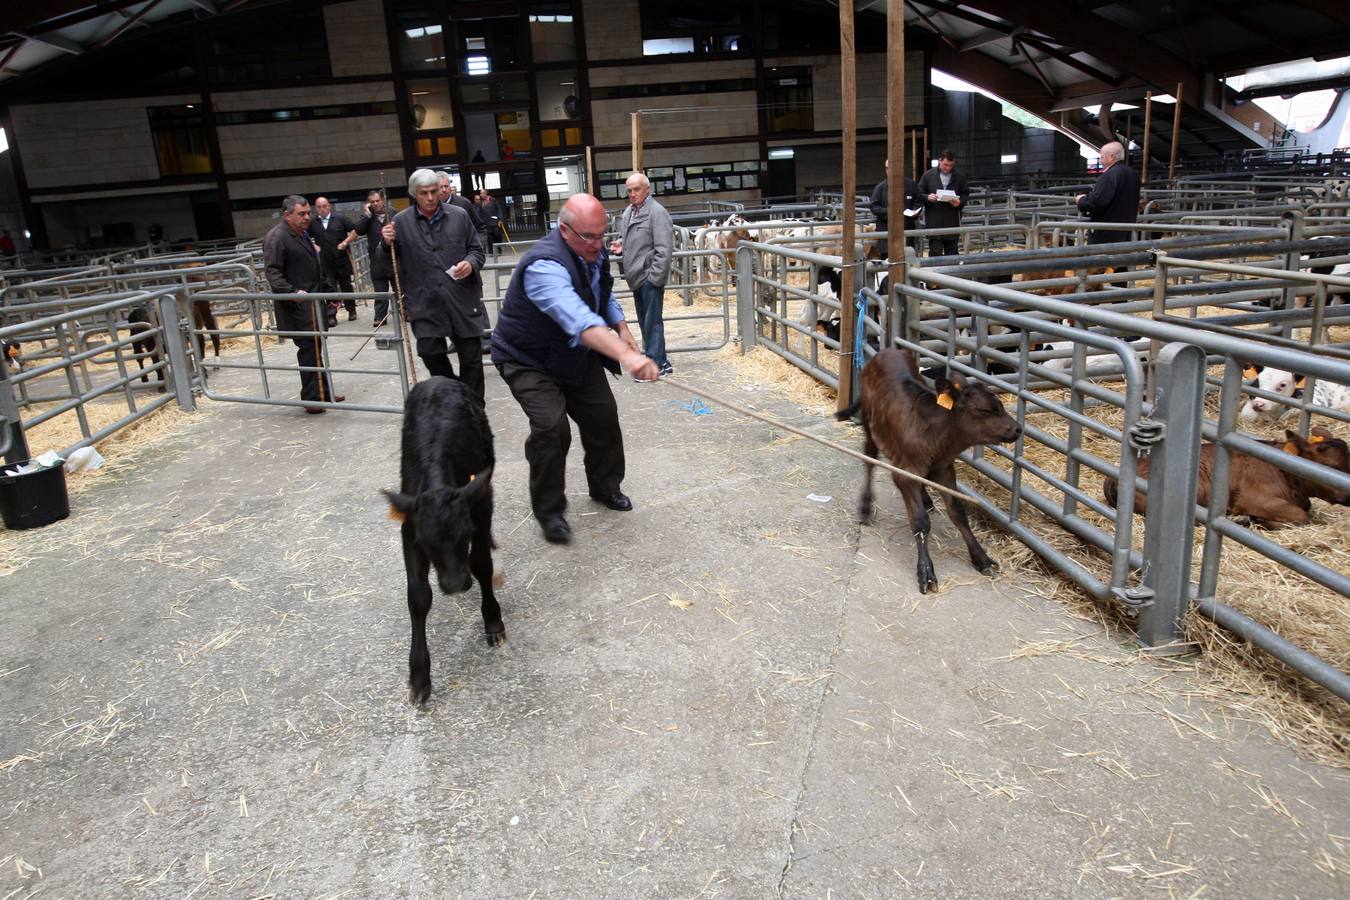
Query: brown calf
point(1263, 492)
point(923, 431)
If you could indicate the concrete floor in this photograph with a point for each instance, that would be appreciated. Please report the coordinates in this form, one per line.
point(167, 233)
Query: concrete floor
point(732, 691)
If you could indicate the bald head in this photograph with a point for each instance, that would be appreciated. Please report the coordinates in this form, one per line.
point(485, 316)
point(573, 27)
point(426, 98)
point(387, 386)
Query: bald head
point(1112, 153)
point(582, 222)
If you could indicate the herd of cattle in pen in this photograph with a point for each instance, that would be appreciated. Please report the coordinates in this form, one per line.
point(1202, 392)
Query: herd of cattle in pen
point(921, 421)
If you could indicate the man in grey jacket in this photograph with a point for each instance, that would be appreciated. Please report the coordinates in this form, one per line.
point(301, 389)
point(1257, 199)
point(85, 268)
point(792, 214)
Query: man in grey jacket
point(646, 238)
point(439, 258)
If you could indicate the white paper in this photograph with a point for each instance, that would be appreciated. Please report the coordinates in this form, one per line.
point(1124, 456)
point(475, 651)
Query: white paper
point(818, 498)
point(945, 194)
point(914, 212)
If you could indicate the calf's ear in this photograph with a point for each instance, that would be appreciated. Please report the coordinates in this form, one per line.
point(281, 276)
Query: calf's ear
point(400, 505)
point(478, 488)
point(1294, 442)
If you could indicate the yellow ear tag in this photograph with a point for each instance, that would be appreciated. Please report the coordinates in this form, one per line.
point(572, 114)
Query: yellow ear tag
point(1291, 447)
point(945, 400)
point(396, 515)
point(1302, 380)
point(1316, 439)
point(1250, 372)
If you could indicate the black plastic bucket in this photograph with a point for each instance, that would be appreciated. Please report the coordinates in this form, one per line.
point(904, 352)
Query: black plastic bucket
point(33, 499)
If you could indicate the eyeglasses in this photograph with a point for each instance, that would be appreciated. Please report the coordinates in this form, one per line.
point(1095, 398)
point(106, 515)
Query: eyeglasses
point(588, 238)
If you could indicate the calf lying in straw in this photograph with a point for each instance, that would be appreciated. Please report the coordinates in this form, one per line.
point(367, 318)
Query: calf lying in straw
point(1265, 493)
point(445, 505)
point(923, 430)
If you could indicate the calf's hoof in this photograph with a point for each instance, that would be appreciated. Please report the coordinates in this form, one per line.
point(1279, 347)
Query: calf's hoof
point(418, 691)
point(927, 579)
point(984, 565)
point(496, 636)
point(865, 511)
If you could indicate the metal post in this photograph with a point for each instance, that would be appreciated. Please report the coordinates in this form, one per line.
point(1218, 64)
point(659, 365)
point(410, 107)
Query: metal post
point(174, 346)
point(1169, 525)
point(745, 298)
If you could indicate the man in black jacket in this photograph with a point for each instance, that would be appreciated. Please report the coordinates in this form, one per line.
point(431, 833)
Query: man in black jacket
point(943, 210)
point(375, 217)
point(1114, 198)
point(439, 257)
point(332, 232)
point(881, 209)
point(291, 263)
point(490, 208)
point(450, 196)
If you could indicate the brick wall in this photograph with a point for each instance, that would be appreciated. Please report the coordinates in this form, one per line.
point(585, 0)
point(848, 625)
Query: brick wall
point(265, 146)
point(86, 143)
point(613, 29)
point(357, 42)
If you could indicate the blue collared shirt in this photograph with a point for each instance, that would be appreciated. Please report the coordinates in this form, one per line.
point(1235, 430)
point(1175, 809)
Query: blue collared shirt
point(548, 285)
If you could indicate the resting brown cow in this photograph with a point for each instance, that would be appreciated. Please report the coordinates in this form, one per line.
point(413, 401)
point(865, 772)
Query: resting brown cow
point(1265, 493)
point(923, 431)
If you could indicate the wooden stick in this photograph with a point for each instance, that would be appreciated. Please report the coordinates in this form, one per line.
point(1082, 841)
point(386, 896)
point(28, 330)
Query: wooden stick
point(398, 291)
point(847, 251)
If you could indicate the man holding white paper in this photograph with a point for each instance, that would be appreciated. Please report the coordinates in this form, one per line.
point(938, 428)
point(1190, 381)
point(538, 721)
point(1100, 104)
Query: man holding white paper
point(439, 257)
point(944, 190)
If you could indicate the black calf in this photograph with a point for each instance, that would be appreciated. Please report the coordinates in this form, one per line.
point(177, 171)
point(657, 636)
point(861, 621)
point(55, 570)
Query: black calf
point(138, 322)
point(445, 505)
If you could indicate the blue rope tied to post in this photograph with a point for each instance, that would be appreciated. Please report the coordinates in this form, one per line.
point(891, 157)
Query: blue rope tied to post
point(859, 333)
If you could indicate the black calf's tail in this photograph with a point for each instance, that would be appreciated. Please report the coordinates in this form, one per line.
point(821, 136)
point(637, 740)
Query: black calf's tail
point(845, 414)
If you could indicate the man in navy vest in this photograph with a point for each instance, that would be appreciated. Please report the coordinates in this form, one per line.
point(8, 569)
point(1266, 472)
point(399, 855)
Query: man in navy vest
point(559, 330)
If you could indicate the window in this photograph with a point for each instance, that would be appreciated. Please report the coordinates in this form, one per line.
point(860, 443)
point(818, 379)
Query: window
point(787, 96)
point(421, 42)
point(509, 90)
point(285, 48)
point(695, 26)
point(553, 36)
point(429, 102)
point(342, 111)
point(557, 92)
point(180, 140)
point(627, 91)
point(489, 45)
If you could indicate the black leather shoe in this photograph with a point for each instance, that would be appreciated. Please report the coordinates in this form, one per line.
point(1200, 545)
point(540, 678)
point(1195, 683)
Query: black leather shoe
point(617, 501)
point(556, 530)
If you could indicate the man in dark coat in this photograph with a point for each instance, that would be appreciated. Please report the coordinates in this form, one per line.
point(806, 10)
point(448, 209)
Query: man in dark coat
point(1114, 198)
point(332, 232)
point(439, 257)
point(291, 263)
point(376, 215)
point(881, 209)
point(490, 208)
point(559, 329)
point(450, 196)
point(943, 211)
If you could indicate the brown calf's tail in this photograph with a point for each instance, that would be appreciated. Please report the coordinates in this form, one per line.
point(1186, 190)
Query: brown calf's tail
point(1109, 491)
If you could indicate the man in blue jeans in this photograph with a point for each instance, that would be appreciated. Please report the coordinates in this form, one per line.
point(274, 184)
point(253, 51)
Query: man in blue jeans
point(646, 238)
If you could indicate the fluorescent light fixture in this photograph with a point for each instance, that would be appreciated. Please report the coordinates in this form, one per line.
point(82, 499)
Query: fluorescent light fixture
point(1008, 158)
point(4, 141)
point(478, 65)
point(782, 153)
point(1115, 107)
point(426, 31)
point(420, 93)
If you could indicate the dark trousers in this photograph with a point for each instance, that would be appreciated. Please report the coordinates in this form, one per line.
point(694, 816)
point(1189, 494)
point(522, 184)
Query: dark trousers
point(944, 246)
point(470, 352)
point(648, 298)
point(307, 354)
point(344, 284)
point(381, 283)
point(548, 404)
point(491, 238)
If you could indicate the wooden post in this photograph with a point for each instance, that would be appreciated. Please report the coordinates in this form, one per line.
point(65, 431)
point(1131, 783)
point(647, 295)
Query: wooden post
point(847, 251)
point(637, 141)
point(1176, 135)
point(914, 155)
point(895, 143)
point(1148, 127)
point(591, 187)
